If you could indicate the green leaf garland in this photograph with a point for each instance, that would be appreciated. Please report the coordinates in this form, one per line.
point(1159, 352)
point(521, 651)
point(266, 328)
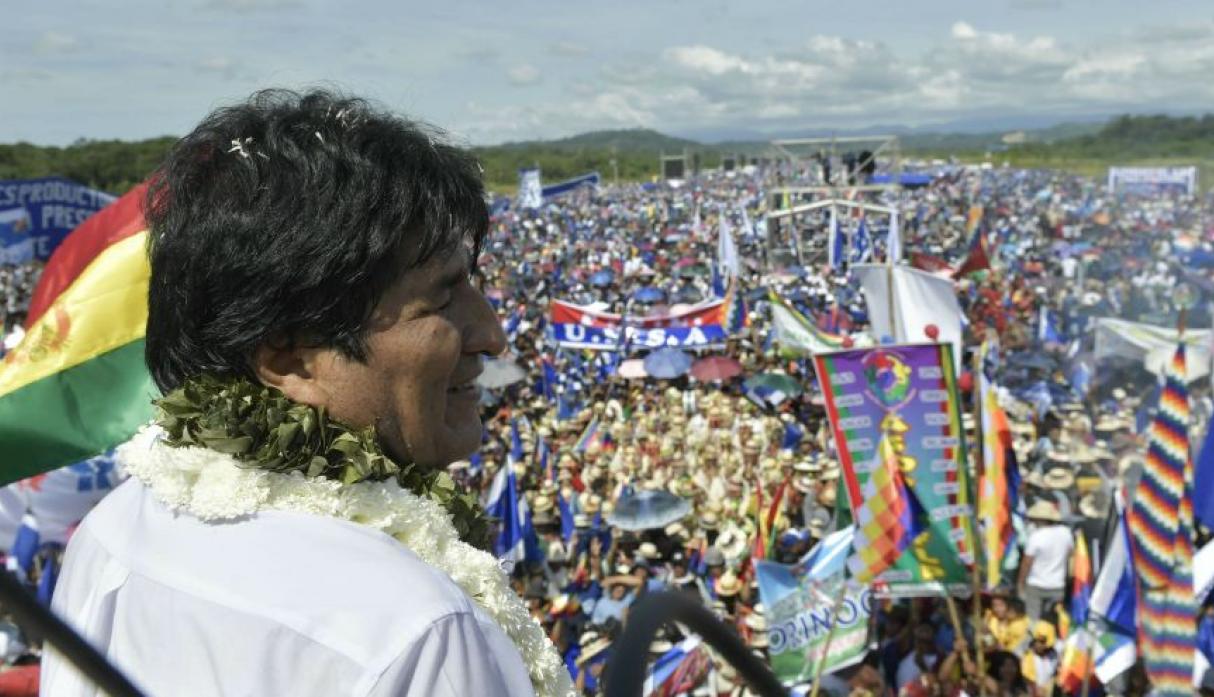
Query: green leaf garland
point(261, 428)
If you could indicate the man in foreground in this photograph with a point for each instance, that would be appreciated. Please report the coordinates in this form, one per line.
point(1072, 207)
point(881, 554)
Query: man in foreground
point(288, 528)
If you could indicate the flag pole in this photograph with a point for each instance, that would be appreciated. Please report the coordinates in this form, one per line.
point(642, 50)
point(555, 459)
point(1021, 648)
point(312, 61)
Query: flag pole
point(1089, 664)
point(979, 469)
point(830, 635)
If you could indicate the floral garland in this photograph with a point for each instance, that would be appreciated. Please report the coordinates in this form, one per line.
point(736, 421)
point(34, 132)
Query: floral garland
point(214, 487)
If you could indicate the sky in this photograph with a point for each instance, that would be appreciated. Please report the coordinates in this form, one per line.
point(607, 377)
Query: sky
point(490, 72)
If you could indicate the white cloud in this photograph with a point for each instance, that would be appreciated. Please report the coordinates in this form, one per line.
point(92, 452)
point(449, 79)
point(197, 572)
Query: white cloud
point(221, 65)
point(568, 49)
point(835, 81)
point(523, 74)
point(55, 42)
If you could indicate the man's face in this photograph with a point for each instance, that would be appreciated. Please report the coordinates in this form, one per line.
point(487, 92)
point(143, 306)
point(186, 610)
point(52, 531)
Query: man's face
point(418, 384)
point(999, 608)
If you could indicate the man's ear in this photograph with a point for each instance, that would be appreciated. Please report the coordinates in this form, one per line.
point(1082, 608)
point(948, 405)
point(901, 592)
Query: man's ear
point(298, 372)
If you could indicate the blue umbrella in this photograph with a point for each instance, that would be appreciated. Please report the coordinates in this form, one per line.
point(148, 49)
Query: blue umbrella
point(649, 294)
point(667, 363)
point(602, 278)
point(647, 510)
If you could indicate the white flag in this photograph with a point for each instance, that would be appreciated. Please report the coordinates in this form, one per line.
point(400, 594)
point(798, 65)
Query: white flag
point(919, 299)
point(893, 243)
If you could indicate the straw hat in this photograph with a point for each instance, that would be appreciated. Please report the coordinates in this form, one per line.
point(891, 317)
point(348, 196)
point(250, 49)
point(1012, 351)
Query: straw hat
point(728, 585)
point(803, 484)
point(648, 551)
point(1044, 510)
point(1059, 479)
point(592, 651)
point(660, 646)
point(1092, 506)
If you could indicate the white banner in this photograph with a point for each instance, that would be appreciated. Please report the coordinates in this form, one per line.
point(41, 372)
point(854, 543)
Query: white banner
point(918, 299)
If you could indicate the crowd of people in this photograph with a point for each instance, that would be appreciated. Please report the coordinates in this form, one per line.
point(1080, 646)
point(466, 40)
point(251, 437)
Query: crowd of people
point(1063, 252)
point(17, 282)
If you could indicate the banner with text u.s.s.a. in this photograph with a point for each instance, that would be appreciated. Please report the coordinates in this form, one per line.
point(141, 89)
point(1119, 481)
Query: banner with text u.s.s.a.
point(700, 326)
point(907, 393)
point(803, 613)
point(36, 214)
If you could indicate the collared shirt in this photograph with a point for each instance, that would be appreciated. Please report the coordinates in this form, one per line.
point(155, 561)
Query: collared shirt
point(279, 603)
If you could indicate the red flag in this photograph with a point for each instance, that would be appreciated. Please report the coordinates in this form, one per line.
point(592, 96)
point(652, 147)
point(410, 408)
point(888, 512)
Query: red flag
point(977, 259)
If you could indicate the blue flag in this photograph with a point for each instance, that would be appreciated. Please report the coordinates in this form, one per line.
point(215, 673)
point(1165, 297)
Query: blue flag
point(1203, 480)
point(25, 546)
point(566, 517)
point(1047, 329)
point(46, 584)
point(862, 244)
point(835, 245)
point(792, 437)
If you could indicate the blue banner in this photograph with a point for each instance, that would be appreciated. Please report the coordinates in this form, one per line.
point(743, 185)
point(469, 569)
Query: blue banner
point(572, 335)
point(591, 179)
point(36, 214)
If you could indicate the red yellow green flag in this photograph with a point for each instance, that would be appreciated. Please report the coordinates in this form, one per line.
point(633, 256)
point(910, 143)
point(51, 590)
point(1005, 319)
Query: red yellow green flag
point(77, 385)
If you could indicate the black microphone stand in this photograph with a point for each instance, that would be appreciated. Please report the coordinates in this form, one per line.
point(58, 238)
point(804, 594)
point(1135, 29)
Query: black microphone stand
point(626, 672)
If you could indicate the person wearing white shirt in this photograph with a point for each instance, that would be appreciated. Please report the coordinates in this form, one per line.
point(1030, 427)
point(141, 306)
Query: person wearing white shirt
point(1047, 553)
point(288, 527)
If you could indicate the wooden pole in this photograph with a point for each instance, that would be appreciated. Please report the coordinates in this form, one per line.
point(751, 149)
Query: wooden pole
point(1089, 664)
point(889, 293)
point(830, 635)
point(979, 469)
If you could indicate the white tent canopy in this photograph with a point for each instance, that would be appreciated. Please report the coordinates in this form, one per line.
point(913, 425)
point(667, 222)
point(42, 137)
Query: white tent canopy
point(1153, 345)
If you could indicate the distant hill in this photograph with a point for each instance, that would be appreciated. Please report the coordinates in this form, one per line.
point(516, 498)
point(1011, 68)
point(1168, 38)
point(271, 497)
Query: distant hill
point(628, 140)
point(115, 166)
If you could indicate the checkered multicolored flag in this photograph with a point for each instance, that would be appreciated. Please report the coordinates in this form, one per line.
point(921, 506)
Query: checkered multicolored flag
point(888, 519)
point(1160, 522)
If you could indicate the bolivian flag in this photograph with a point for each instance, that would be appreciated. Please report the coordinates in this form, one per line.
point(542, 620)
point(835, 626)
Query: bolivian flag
point(77, 385)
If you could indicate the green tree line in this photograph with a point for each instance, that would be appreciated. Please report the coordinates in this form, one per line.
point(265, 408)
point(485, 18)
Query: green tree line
point(115, 166)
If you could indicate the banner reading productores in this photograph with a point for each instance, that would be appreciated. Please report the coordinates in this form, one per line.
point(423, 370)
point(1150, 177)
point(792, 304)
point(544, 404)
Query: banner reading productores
point(906, 394)
point(36, 214)
point(804, 614)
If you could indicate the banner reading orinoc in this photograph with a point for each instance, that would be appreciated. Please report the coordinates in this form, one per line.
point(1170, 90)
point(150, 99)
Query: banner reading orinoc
point(36, 214)
point(907, 393)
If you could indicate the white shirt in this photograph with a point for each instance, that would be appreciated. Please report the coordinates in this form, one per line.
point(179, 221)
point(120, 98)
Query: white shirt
point(279, 603)
point(1050, 547)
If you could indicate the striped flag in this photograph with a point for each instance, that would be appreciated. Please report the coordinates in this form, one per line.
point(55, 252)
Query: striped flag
point(888, 519)
point(733, 310)
point(835, 244)
point(1076, 662)
point(588, 436)
point(1081, 580)
point(1113, 606)
point(76, 385)
point(1161, 536)
point(999, 483)
point(796, 334)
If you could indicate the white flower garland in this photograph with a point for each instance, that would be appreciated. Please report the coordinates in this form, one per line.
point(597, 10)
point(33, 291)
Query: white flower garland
point(213, 487)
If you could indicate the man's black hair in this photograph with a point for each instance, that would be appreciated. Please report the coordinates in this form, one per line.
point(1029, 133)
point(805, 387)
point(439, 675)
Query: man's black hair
point(284, 219)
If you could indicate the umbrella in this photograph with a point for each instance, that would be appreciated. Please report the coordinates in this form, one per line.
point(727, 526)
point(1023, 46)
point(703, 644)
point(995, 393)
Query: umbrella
point(602, 278)
point(633, 368)
point(772, 388)
point(687, 294)
point(648, 294)
point(647, 510)
point(499, 372)
point(667, 363)
point(715, 368)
